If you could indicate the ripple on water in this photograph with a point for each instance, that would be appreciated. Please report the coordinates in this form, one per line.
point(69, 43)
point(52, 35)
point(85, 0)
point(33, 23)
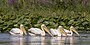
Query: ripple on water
point(7, 39)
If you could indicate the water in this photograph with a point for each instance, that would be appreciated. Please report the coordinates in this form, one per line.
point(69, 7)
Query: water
point(7, 39)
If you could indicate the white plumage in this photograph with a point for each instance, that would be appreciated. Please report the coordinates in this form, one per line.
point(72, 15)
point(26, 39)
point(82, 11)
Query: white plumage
point(58, 32)
point(17, 31)
point(63, 32)
point(55, 32)
point(70, 32)
point(37, 31)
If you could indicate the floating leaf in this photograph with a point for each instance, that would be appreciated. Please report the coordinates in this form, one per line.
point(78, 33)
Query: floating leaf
point(85, 23)
point(37, 25)
point(62, 23)
point(70, 22)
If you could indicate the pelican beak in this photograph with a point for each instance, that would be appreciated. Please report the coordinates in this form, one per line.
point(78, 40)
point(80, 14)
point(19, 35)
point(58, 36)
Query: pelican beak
point(23, 29)
point(46, 29)
point(74, 30)
point(62, 30)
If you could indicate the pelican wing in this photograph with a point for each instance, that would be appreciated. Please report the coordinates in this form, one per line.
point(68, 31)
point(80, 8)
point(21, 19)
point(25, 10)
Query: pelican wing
point(15, 31)
point(53, 31)
point(43, 33)
point(58, 32)
point(12, 33)
point(31, 34)
point(66, 30)
point(35, 30)
point(69, 33)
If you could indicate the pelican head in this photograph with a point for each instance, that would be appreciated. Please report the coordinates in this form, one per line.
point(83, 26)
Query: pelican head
point(74, 30)
point(62, 30)
point(23, 29)
point(21, 26)
point(44, 28)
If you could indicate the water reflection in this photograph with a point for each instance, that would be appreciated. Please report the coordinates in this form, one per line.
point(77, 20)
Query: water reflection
point(37, 40)
point(17, 40)
point(72, 40)
point(58, 40)
point(6, 39)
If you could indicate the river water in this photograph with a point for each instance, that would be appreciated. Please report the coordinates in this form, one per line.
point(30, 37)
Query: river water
point(7, 39)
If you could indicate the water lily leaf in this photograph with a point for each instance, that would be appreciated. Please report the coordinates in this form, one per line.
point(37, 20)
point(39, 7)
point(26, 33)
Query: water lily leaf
point(15, 21)
point(51, 23)
point(70, 22)
point(15, 25)
point(62, 23)
point(41, 20)
point(81, 28)
point(84, 23)
point(52, 19)
point(37, 25)
point(56, 25)
point(4, 28)
point(87, 28)
point(46, 22)
point(1, 22)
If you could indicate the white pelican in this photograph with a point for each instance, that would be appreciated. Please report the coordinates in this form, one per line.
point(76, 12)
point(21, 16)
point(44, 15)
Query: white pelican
point(37, 31)
point(17, 31)
point(70, 32)
point(58, 32)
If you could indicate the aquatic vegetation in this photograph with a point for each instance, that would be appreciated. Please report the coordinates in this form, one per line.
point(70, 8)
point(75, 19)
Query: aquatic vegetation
point(52, 13)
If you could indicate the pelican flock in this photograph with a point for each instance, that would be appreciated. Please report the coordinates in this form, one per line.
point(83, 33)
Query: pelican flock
point(60, 31)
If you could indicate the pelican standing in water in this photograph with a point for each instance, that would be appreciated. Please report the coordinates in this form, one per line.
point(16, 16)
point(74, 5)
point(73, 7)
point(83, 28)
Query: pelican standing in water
point(58, 32)
point(70, 32)
point(17, 31)
point(37, 31)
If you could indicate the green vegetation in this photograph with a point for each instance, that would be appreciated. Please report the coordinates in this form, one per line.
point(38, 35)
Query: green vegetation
point(33, 13)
